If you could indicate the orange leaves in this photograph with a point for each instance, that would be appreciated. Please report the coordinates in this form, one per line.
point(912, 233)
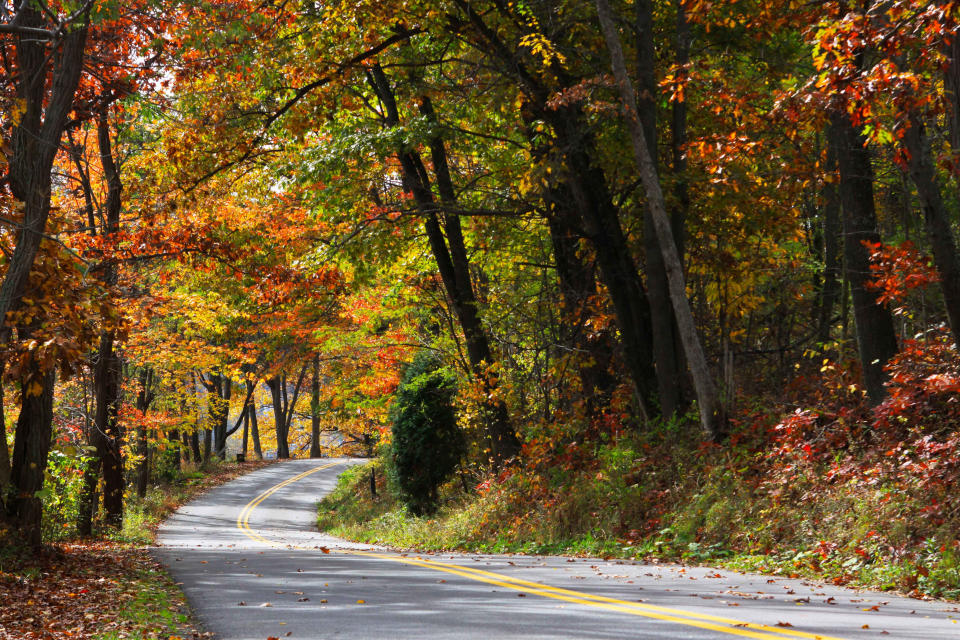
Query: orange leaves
point(897, 270)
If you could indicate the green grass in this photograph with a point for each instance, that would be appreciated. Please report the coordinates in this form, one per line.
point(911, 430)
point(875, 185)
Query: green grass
point(142, 516)
point(156, 609)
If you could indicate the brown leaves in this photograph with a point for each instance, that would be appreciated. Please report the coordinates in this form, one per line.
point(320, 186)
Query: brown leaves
point(74, 591)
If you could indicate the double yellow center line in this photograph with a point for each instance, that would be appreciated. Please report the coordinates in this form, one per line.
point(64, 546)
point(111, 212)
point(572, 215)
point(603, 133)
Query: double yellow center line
point(668, 614)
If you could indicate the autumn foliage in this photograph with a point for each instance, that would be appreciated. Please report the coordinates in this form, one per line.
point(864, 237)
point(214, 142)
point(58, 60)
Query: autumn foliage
point(249, 218)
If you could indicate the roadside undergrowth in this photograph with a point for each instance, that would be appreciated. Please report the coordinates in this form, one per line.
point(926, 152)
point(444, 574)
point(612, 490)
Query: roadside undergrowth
point(764, 502)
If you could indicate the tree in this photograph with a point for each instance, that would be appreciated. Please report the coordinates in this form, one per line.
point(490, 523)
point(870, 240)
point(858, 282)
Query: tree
point(427, 443)
point(712, 420)
point(37, 45)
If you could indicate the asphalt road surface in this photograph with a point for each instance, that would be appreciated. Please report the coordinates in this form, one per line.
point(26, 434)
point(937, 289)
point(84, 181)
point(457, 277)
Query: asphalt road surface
point(253, 567)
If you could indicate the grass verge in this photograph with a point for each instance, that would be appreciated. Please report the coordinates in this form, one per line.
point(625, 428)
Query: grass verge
point(665, 503)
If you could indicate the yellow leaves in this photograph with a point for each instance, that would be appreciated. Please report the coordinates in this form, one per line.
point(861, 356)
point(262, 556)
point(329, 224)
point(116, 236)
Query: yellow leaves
point(540, 46)
point(18, 107)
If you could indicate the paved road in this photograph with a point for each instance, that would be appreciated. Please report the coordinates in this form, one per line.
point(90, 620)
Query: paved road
point(253, 567)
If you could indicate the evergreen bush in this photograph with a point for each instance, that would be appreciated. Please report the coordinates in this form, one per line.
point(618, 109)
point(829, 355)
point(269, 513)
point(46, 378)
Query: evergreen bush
point(427, 443)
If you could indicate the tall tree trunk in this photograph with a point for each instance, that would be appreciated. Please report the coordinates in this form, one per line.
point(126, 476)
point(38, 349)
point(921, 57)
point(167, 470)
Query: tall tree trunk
point(144, 400)
point(4, 452)
point(453, 268)
point(223, 414)
point(597, 216)
point(937, 219)
point(678, 137)
point(195, 447)
point(107, 371)
point(680, 207)
point(173, 438)
point(658, 289)
point(712, 420)
point(87, 501)
point(504, 441)
point(46, 82)
point(578, 286)
point(219, 391)
point(108, 430)
point(876, 339)
point(277, 385)
point(31, 446)
point(252, 414)
point(207, 445)
point(246, 430)
point(832, 228)
point(315, 451)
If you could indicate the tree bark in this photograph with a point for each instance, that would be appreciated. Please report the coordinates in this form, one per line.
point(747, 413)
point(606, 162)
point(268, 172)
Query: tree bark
point(678, 138)
point(252, 414)
point(276, 385)
point(144, 400)
point(31, 446)
point(315, 451)
point(108, 431)
point(207, 445)
point(665, 357)
point(195, 447)
point(936, 218)
point(107, 371)
point(4, 452)
point(712, 420)
point(219, 390)
point(283, 407)
point(578, 285)
point(45, 84)
point(832, 228)
point(876, 339)
point(246, 430)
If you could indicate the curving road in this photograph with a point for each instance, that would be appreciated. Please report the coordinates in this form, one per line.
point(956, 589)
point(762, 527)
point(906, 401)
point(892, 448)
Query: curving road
point(253, 567)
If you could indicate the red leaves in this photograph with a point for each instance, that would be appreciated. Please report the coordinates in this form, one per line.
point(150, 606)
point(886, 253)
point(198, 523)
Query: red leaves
point(897, 270)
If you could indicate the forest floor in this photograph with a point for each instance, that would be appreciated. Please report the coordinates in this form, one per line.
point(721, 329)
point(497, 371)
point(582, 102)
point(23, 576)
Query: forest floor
point(105, 589)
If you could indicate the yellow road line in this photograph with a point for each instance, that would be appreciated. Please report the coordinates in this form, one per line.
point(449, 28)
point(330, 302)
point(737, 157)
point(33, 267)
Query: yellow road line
point(680, 616)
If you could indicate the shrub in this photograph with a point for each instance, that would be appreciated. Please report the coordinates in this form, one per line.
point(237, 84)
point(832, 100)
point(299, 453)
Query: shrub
point(427, 443)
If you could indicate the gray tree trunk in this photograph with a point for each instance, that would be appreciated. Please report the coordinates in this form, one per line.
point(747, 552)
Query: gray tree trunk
point(712, 420)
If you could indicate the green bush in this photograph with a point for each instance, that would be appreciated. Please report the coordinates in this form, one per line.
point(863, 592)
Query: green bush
point(427, 443)
point(60, 495)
